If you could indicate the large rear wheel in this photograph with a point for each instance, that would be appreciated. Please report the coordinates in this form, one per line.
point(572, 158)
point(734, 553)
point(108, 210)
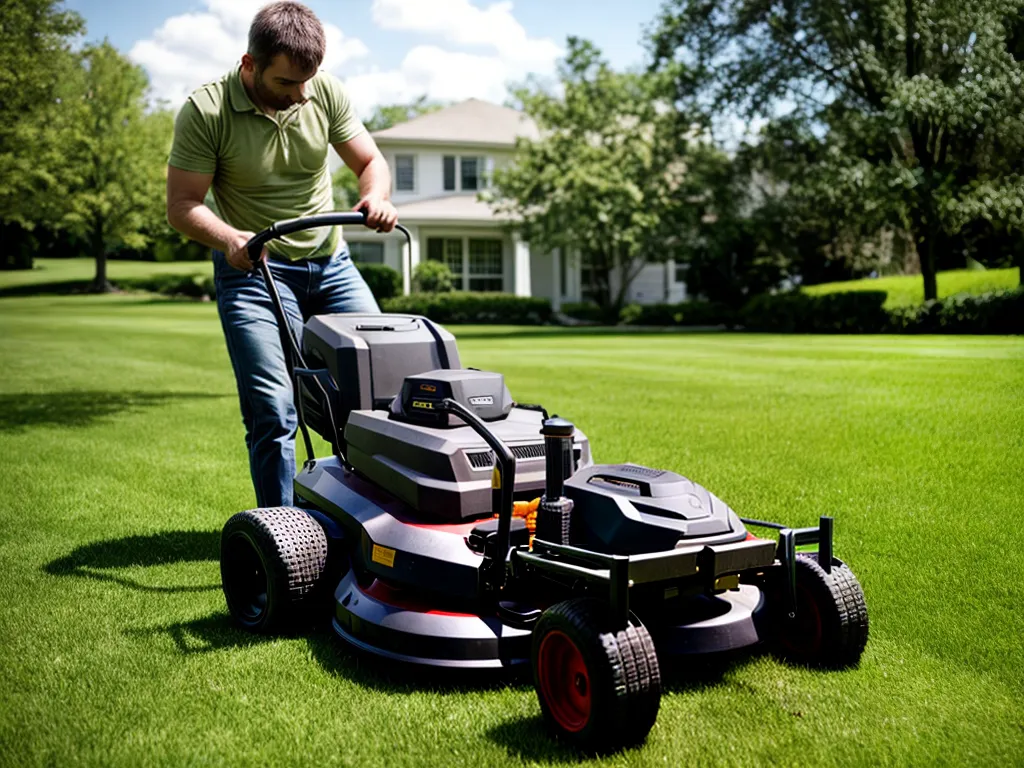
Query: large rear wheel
point(272, 561)
point(599, 688)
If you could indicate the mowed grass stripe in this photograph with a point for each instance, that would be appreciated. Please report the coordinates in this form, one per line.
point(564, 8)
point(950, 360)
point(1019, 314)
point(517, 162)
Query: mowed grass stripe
point(121, 456)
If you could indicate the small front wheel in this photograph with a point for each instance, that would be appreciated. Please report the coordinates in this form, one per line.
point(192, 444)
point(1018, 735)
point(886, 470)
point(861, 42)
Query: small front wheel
point(829, 628)
point(599, 689)
point(271, 563)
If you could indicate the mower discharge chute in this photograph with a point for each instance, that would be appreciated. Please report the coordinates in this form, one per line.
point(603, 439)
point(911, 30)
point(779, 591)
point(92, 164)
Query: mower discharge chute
point(420, 526)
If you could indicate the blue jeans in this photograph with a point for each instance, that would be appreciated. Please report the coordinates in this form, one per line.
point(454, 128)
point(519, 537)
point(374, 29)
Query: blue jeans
point(310, 287)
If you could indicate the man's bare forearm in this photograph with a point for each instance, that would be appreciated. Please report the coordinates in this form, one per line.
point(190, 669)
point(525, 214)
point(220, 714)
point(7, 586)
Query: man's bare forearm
point(375, 179)
point(199, 223)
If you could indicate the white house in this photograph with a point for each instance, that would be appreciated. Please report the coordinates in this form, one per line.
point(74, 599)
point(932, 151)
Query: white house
point(439, 162)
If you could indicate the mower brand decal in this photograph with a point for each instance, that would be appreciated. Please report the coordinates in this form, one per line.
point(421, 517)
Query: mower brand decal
point(496, 479)
point(428, 387)
point(383, 555)
point(424, 404)
point(483, 400)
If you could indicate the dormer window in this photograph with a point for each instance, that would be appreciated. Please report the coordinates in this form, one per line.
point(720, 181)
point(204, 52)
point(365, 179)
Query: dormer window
point(405, 173)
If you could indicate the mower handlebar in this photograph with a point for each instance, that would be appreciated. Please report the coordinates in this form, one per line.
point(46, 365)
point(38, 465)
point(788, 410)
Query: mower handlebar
point(288, 226)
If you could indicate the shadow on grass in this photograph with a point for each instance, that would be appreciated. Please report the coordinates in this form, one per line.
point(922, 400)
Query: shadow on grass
point(528, 739)
point(56, 288)
point(93, 561)
point(20, 411)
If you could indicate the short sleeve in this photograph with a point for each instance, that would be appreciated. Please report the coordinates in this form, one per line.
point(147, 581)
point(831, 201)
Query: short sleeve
point(342, 119)
point(192, 149)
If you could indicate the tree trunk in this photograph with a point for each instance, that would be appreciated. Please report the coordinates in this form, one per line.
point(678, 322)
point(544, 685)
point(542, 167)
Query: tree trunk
point(925, 238)
point(99, 251)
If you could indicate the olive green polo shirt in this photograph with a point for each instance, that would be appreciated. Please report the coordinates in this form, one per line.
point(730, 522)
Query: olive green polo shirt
point(267, 168)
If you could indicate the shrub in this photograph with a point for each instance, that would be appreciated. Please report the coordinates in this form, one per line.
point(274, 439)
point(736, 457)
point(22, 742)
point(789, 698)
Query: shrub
point(686, 313)
point(432, 277)
point(993, 312)
point(853, 312)
point(587, 311)
point(192, 286)
point(383, 281)
point(466, 307)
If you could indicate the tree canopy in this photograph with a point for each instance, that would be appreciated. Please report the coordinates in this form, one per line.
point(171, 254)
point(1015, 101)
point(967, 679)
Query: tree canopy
point(911, 110)
point(605, 181)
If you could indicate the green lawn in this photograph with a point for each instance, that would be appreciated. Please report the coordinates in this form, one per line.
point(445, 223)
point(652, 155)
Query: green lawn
point(121, 456)
point(907, 290)
point(69, 272)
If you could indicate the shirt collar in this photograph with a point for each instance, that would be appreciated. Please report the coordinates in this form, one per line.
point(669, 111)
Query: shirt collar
point(240, 100)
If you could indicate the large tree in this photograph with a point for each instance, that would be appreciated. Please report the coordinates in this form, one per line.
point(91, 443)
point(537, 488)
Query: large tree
point(113, 177)
point(35, 61)
point(913, 108)
point(605, 181)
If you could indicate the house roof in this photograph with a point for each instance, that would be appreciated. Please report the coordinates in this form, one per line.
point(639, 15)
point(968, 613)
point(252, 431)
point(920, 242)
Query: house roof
point(452, 208)
point(468, 122)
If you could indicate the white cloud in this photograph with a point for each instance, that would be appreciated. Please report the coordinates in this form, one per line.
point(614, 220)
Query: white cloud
point(195, 48)
point(442, 75)
point(462, 23)
point(502, 52)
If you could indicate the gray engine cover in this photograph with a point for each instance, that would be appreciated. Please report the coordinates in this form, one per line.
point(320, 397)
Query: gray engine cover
point(629, 509)
point(369, 357)
point(446, 473)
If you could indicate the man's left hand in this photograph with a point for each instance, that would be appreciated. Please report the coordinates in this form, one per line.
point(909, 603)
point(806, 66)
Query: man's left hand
point(380, 212)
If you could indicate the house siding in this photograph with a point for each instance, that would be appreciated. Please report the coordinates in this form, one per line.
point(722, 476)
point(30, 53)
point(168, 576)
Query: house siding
point(545, 279)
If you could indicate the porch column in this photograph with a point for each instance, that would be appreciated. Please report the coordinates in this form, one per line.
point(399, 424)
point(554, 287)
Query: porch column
point(410, 258)
point(522, 266)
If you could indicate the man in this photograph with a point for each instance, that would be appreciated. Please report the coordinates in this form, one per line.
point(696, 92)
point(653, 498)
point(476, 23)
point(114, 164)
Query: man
point(260, 137)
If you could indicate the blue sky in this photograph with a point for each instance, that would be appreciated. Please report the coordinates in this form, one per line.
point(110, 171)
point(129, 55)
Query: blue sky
point(386, 50)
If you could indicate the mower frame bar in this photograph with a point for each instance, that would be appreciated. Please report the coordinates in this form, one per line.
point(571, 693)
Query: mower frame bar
point(790, 539)
point(621, 572)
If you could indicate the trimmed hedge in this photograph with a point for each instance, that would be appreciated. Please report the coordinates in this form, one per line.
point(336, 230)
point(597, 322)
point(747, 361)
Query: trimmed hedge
point(384, 281)
point(853, 312)
point(862, 312)
point(469, 307)
point(191, 286)
point(994, 312)
point(686, 313)
point(587, 311)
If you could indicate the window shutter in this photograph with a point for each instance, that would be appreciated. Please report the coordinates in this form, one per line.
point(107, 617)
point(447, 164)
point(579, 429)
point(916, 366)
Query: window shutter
point(405, 178)
point(449, 173)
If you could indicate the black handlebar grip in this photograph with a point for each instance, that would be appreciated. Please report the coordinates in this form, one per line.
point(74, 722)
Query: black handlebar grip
point(288, 226)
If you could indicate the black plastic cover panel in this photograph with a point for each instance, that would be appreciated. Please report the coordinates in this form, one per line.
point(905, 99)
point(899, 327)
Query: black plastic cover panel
point(445, 473)
point(369, 356)
point(630, 509)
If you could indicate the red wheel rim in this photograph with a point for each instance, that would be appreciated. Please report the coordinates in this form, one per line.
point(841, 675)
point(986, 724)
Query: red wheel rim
point(803, 633)
point(564, 682)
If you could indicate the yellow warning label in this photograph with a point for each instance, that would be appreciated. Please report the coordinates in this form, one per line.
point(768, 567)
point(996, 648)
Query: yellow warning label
point(496, 478)
point(383, 555)
point(428, 406)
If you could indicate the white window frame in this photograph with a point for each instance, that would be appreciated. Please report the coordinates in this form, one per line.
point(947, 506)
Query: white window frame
point(462, 279)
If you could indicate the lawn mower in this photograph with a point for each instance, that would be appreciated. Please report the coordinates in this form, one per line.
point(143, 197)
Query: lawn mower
point(458, 528)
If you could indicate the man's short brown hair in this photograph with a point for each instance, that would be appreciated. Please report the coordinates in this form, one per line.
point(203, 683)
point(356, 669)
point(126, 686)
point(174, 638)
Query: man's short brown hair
point(290, 28)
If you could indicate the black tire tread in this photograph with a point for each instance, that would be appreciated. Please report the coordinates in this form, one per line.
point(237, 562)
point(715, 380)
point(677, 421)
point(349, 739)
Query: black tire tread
point(844, 611)
point(294, 548)
point(624, 671)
